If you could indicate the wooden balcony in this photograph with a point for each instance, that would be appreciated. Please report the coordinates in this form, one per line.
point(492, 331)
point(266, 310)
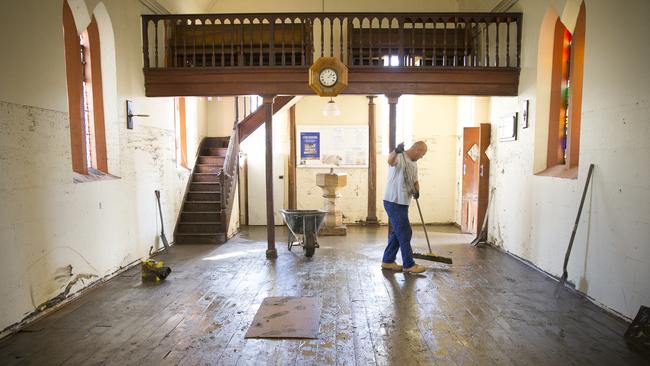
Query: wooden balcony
point(237, 54)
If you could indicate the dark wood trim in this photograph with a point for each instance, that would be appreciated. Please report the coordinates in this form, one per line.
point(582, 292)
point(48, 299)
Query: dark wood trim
point(371, 219)
point(362, 81)
point(575, 97)
point(554, 152)
point(254, 120)
point(271, 252)
point(293, 200)
point(74, 80)
point(94, 63)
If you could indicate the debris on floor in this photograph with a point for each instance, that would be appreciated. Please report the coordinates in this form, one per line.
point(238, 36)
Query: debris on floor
point(154, 271)
point(286, 317)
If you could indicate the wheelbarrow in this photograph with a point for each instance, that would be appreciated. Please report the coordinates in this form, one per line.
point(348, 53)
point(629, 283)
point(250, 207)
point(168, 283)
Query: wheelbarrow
point(303, 228)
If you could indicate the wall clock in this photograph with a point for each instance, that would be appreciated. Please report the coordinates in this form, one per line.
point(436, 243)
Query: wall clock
point(328, 76)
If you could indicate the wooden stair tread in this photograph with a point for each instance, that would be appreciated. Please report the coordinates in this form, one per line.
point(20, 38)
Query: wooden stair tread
point(202, 202)
point(201, 234)
point(200, 222)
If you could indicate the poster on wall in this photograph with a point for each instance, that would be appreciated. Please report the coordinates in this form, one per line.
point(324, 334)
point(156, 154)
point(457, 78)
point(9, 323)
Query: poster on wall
point(332, 146)
point(310, 145)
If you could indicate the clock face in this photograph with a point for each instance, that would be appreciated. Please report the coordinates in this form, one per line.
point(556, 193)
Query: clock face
point(328, 77)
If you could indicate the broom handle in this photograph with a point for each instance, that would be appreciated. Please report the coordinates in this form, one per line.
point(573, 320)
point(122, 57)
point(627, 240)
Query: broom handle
point(423, 226)
point(575, 226)
point(162, 227)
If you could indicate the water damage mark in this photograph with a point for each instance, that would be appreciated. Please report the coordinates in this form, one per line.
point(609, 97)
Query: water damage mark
point(64, 294)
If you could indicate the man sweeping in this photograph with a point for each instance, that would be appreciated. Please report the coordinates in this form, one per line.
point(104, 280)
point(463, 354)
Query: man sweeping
point(401, 186)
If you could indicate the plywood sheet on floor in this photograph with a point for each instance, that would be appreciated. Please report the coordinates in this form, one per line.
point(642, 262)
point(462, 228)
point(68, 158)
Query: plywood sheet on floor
point(286, 317)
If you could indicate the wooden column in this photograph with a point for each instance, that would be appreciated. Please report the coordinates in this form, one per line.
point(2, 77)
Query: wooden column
point(392, 120)
point(371, 219)
point(271, 252)
point(293, 202)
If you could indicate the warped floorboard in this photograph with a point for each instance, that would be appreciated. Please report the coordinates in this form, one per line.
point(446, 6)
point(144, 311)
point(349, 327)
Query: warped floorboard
point(486, 309)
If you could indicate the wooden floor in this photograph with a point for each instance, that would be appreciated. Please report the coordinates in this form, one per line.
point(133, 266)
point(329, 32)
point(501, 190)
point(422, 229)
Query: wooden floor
point(486, 309)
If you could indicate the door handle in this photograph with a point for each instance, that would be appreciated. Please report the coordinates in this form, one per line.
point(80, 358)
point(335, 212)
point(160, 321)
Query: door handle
point(281, 177)
point(480, 170)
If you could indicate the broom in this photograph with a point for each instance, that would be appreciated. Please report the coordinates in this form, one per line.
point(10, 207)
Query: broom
point(162, 227)
point(565, 274)
point(429, 256)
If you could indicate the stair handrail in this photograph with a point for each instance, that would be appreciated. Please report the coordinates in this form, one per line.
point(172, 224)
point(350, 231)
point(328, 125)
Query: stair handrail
point(228, 176)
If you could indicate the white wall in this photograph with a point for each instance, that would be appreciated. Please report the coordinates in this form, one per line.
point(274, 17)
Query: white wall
point(433, 121)
point(221, 116)
point(532, 216)
point(48, 224)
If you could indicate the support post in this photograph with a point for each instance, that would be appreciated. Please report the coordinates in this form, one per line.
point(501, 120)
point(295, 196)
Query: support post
point(292, 159)
point(392, 129)
point(392, 120)
point(371, 219)
point(271, 252)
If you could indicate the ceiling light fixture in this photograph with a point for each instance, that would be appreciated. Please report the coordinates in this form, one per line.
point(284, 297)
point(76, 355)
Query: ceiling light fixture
point(331, 109)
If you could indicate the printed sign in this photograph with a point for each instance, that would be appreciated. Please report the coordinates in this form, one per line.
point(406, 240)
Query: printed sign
point(310, 145)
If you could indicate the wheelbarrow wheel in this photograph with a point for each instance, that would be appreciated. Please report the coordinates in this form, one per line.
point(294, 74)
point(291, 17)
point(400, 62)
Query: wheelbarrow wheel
point(309, 251)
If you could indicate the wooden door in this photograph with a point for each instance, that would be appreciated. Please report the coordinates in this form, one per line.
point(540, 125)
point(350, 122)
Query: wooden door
point(471, 152)
point(475, 179)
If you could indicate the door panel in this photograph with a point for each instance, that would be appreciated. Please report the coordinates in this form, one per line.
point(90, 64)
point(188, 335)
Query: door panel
point(471, 152)
point(475, 178)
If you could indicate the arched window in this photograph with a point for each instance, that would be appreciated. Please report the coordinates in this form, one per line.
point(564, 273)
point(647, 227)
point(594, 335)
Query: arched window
point(566, 94)
point(85, 96)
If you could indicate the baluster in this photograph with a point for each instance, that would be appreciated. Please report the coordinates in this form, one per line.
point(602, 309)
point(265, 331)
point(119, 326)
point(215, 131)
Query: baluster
point(412, 56)
point(444, 43)
point(322, 36)
point(487, 44)
point(272, 42)
point(370, 42)
point(261, 42)
point(508, 42)
point(232, 42)
point(341, 44)
point(423, 60)
point(145, 42)
point(434, 62)
point(185, 31)
point(302, 42)
point(193, 42)
point(222, 28)
point(465, 48)
point(360, 43)
point(400, 51)
point(496, 53)
point(293, 42)
point(155, 26)
point(284, 33)
point(331, 37)
point(213, 36)
point(251, 28)
point(350, 27)
point(456, 41)
point(242, 58)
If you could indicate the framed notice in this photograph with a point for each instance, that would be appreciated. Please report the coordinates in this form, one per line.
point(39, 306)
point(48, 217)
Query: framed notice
point(310, 145)
point(508, 127)
point(332, 146)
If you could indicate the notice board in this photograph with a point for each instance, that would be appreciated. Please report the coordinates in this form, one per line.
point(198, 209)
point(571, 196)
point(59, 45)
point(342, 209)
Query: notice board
point(322, 146)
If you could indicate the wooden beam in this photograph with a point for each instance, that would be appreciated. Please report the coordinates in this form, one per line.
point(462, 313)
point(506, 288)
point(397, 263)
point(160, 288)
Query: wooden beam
point(371, 219)
point(271, 252)
point(292, 158)
point(362, 81)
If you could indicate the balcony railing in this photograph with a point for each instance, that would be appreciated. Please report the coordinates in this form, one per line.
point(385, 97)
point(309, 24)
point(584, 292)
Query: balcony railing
point(422, 40)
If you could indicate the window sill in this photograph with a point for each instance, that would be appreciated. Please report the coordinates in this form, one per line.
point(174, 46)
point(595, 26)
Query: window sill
point(93, 175)
point(560, 171)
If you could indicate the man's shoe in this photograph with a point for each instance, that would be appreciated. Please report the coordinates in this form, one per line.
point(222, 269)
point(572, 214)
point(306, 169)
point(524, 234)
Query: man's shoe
point(415, 269)
point(391, 266)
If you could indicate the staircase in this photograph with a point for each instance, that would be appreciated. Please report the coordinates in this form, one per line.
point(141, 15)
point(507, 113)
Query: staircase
point(202, 217)
point(209, 196)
